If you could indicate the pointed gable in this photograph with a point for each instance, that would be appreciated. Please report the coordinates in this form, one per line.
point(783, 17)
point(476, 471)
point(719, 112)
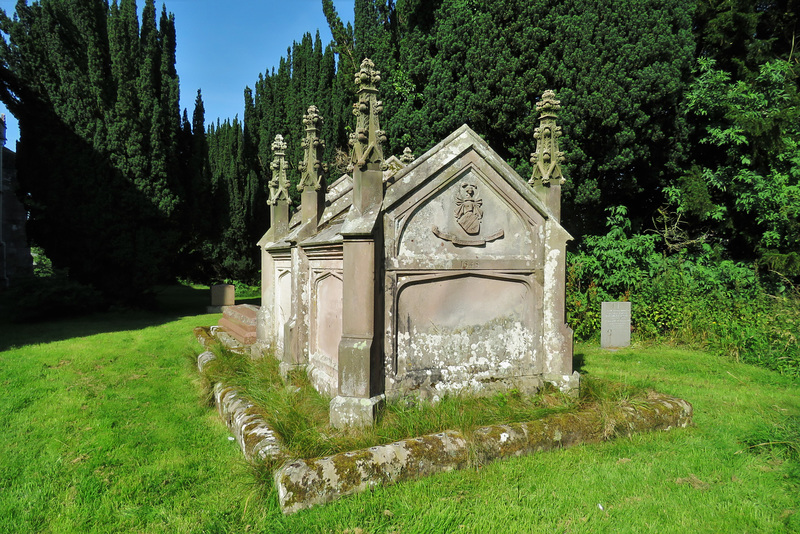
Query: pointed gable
point(461, 201)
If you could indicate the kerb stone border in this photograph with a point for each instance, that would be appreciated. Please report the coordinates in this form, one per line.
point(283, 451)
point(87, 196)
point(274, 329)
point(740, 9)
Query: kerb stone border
point(254, 436)
point(302, 484)
point(305, 483)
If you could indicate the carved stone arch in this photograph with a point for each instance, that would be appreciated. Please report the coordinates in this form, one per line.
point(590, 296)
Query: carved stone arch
point(455, 324)
point(326, 327)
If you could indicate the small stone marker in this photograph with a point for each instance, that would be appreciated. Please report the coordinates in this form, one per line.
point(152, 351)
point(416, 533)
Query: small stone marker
point(615, 325)
point(221, 295)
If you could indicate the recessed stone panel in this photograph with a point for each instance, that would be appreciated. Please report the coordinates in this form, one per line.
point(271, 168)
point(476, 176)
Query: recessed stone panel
point(461, 333)
point(326, 333)
point(283, 300)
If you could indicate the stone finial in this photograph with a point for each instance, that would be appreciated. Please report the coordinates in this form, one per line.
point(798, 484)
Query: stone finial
point(547, 159)
point(279, 185)
point(312, 169)
point(407, 156)
point(368, 137)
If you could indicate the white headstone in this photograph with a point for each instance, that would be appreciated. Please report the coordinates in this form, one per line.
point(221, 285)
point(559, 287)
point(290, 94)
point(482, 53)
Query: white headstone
point(615, 324)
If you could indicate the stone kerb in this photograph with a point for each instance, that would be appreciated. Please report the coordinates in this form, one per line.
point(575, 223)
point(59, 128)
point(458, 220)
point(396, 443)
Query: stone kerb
point(302, 484)
point(306, 483)
point(254, 436)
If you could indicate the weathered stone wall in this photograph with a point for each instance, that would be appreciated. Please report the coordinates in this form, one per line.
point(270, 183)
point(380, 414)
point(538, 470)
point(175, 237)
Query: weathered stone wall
point(470, 298)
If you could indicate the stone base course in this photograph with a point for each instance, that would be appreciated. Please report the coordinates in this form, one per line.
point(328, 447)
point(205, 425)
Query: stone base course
point(306, 483)
point(303, 484)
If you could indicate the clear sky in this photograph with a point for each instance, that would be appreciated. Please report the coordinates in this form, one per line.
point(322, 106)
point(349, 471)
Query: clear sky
point(223, 45)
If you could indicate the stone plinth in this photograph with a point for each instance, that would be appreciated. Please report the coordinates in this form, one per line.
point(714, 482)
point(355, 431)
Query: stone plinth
point(240, 322)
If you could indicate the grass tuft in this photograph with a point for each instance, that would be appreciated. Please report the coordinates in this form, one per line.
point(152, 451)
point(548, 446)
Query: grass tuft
point(300, 415)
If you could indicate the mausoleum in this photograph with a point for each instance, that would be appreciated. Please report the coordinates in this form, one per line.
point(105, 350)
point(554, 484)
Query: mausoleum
point(440, 274)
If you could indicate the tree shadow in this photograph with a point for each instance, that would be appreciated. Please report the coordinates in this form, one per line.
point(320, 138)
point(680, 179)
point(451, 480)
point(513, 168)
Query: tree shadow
point(171, 303)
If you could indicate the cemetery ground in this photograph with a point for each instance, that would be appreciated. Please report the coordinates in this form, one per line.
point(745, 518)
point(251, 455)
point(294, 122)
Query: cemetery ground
point(104, 428)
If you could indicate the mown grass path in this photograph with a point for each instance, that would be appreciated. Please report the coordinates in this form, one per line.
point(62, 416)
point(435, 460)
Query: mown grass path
point(102, 430)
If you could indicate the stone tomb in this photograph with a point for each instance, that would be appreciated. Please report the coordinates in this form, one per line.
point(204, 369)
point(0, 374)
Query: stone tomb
point(427, 276)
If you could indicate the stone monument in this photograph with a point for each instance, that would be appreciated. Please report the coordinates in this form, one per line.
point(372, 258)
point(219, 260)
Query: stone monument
point(615, 324)
point(428, 276)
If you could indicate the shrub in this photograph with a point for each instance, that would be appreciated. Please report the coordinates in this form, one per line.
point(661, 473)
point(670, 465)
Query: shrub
point(693, 296)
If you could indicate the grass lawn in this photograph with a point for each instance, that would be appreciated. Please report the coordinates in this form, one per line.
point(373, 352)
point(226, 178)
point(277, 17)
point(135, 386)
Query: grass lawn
point(102, 430)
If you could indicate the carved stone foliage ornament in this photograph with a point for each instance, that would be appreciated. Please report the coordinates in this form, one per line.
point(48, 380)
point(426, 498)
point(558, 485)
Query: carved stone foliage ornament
point(311, 168)
point(468, 214)
point(547, 159)
point(407, 156)
point(368, 137)
point(279, 184)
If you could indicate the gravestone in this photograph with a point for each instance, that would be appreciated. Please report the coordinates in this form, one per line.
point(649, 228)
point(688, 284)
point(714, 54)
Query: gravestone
point(221, 295)
point(615, 325)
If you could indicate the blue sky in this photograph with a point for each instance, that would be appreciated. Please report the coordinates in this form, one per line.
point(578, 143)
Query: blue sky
point(223, 45)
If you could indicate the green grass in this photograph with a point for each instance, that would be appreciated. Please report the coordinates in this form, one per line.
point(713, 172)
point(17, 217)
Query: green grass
point(103, 429)
point(300, 415)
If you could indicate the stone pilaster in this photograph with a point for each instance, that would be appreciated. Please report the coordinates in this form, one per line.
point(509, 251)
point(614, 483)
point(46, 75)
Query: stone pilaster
point(547, 178)
point(295, 330)
point(360, 355)
point(557, 336)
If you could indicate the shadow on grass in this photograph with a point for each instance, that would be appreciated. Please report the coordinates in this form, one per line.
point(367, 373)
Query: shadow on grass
point(578, 361)
point(172, 302)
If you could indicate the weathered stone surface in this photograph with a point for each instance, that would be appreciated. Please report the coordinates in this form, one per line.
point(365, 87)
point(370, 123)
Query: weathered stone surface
point(474, 277)
point(203, 336)
point(615, 324)
point(203, 360)
point(305, 483)
point(252, 433)
point(356, 412)
point(240, 322)
point(657, 412)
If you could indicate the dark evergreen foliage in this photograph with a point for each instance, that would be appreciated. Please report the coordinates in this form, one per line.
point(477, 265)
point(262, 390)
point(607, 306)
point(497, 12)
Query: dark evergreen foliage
point(123, 191)
point(97, 103)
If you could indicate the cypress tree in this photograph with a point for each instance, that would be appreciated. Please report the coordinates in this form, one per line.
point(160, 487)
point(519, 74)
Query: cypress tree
point(87, 99)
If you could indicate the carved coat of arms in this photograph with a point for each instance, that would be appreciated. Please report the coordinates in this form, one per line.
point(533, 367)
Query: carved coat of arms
point(468, 215)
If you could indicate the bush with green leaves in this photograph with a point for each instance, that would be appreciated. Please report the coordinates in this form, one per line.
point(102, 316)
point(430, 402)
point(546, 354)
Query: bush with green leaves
point(694, 296)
